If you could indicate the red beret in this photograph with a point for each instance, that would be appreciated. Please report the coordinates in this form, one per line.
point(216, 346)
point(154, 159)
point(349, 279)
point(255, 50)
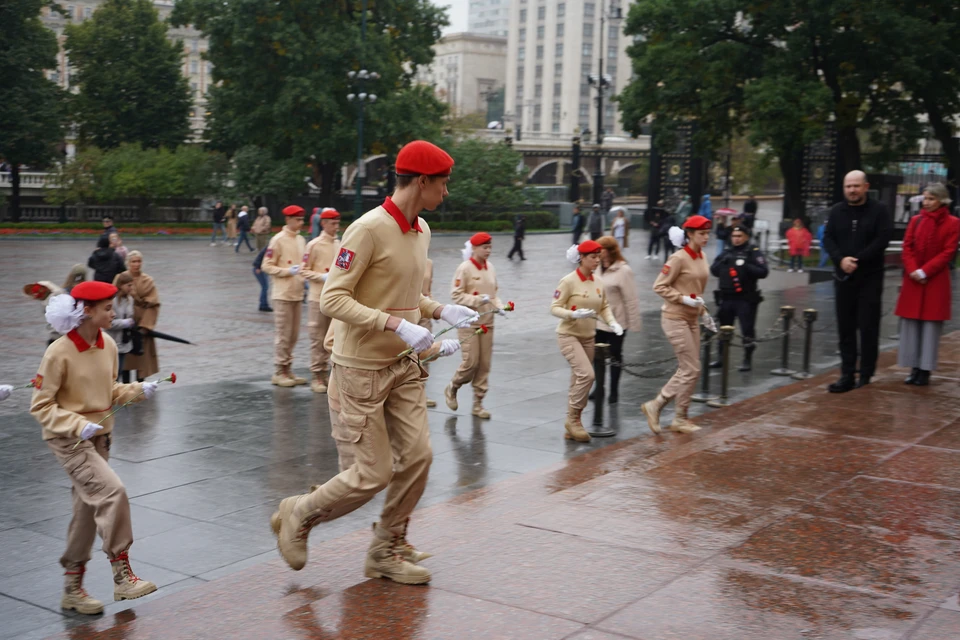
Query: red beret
point(329, 214)
point(93, 291)
point(420, 158)
point(293, 210)
point(478, 239)
point(697, 223)
point(589, 246)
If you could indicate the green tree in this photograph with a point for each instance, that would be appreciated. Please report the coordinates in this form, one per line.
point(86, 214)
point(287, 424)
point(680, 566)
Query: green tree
point(128, 74)
point(281, 72)
point(143, 174)
point(256, 174)
point(488, 174)
point(75, 181)
point(31, 116)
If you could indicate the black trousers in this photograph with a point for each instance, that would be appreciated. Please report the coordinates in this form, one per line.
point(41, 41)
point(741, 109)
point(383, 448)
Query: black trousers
point(615, 342)
point(517, 248)
point(667, 249)
point(858, 305)
point(739, 309)
point(653, 247)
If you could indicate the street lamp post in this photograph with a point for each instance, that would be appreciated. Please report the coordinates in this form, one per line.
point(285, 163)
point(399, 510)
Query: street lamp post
point(601, 82)
point(362, 97)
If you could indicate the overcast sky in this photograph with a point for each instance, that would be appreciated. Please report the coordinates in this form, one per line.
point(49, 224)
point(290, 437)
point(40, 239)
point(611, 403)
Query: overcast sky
point(457, 12)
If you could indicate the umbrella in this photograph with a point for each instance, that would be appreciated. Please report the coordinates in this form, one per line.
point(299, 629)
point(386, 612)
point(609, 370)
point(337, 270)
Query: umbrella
point(617, 209)
point(726, 211)
point(150, 333)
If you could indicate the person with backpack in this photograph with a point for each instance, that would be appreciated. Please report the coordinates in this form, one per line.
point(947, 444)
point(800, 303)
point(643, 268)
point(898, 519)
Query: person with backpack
point(105, 262)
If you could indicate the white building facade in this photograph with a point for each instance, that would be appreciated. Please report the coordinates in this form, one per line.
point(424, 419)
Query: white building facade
point(489, 17)
point(553, 47)
point(466, 71)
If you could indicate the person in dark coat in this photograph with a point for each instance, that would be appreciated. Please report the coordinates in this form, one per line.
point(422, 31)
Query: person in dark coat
point(243, 227)
point(219, 217)
point(578, 223)
point(519, 231)
point(665, 224)
point(654, 218)
point(108, 227)
point(856, 237)
point(595, 222)
point(924, 303)
point(263, 279)
point(105, 262)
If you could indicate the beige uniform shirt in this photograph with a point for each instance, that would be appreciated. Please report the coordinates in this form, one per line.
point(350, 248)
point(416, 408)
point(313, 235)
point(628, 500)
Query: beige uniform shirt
point(317, 260)
point(285, 250)
point(685, 273)
point(577, 291)
point(471, 281)
point(76, 384)
point(621, 290)
point(427, 286)
point(261, 224)
point(378, 273)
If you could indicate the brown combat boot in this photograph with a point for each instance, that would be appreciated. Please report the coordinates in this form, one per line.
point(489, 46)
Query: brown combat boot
point(407, 550)
point(574, 427)
point(431, 403)
point(292, 527)
point(384, 560)
point(126, 585)
point(478, 409)
point(450, 395)
point(652, 411)
point(75, 597)
point(319, 384)
point(681, 424)
point(282, 378)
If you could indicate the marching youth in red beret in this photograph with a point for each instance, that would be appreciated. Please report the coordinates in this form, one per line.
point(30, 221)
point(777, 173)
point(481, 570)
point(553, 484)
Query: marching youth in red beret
point(318, 259)
point(283, 262)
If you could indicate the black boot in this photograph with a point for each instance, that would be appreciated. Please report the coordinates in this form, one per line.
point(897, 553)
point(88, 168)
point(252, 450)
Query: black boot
point(923, 378)
point(913, 377)
point(844, 384)
point(863, 381)
point(747, 363)
point(614, 384)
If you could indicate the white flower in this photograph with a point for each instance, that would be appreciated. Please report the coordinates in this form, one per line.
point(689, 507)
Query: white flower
point(64, 313)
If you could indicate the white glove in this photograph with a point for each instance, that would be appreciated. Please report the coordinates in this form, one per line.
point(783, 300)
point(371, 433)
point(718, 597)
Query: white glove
point(449, 347)
point(617, 329)
point(323, 277)
point(709, 323)
point(149, 388)
point(576, 314)
point(458, 316)
point(690, 301)
point(500, 311)
point(89, 430)
point(484, 299)
point(921, 273)
point(5, 391)
point(294, 270)
point(418, 338)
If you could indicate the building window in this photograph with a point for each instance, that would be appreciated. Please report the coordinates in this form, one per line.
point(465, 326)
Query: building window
point(193, 87)
point(608, 111)
point(558, 69)
point(588, 9)
point(194, 66)
point(536, 112)
point(540, 32)
point(587, 29)
point(555, 127)
point(561, 9)
point(536, 126)
point(587, 49)
point(521, 53)
point(539, 52)
point(538, 72)
point(558, 50)
point(520, 75)
point(538, 91)
point(612, 52)
point(613, 32)
point(584, 110)
point(585, 69)
point(70, 11)
point(584, 89)
point(87, 12)
point(520, 91)
point(541, 13)
point(209, 68)
point(523, 15)
point(557, 89)
point(556, 110)
point(559, 29)
point(523, 35)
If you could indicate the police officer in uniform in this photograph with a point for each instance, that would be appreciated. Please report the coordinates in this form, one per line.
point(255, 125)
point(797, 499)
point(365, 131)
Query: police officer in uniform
point(738, 268)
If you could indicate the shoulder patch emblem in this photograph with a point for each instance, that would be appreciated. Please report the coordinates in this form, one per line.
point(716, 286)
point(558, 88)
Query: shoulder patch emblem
point(556, 294)
point(268, 254)
point(306, 257)
point(38, 382)
point(598, 290)
point(456, 282)
point(666, 270)
point(345, 259)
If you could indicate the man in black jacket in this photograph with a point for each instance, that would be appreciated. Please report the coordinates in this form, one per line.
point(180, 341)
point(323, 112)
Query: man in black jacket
point(105, 262)
point(739, 268)
point(856, 237)
point(519, 231)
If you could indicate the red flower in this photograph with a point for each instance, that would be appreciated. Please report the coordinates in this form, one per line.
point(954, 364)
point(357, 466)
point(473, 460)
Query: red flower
point(693, 295)
point(573, 308)
point(173, 378)
point(483, 328)
point(476, 293)
point(510, 306)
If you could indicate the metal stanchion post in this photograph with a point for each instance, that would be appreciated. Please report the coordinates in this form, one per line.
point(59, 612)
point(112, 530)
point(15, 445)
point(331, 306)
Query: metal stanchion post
point(597, 429)
point(809, 316)
point(726, 335)
point(704, 395)
point(784, 369)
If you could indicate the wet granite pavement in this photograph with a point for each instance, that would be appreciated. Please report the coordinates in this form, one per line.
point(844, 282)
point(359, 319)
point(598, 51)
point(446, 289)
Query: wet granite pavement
point(793, 514)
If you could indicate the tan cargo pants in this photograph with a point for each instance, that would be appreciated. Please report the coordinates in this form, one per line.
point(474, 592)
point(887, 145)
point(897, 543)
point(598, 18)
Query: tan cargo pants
point(317, 324)
point(286, 322)
point(342, 439)
point(579, 353)
point(426, 323)
point(100, 502)
point(383, 420)
point(475, 366)
point(685, 338)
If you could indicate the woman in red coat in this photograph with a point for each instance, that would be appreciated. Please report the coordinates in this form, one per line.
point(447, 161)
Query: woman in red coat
point(798, 242)
point(924, 302)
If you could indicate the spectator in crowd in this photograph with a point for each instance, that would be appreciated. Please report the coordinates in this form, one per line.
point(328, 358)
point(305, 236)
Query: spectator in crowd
point(620, 228)
point(749, 215)
point(665, 225)
point(578, 223)
point(595, 223)
point(116, 243)
point(231, 220)
point(924, 303)
point(519, 231)
point(108, 227)
point(123, 326)
point(606, 200)
point(824, 256)
point(219, 215)
point(684, 209)
point(263, 279)
point(706, 207)
point(261, 228)
point(621, 291)
point(146, 309)
point(858, 231)
point(243, 226)
point(105, 262)
point(798, 244)
point(654, 217)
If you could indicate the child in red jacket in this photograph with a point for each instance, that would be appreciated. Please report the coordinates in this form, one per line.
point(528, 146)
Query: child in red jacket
point(798, 242)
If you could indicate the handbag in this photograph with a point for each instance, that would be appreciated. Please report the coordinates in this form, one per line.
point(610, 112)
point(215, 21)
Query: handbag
point(137, 339)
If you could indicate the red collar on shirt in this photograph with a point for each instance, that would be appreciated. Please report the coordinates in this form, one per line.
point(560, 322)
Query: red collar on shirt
point(479, 266)
point(81, 344)
point(698, 254)
point(584, 278)
point(401, 219)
